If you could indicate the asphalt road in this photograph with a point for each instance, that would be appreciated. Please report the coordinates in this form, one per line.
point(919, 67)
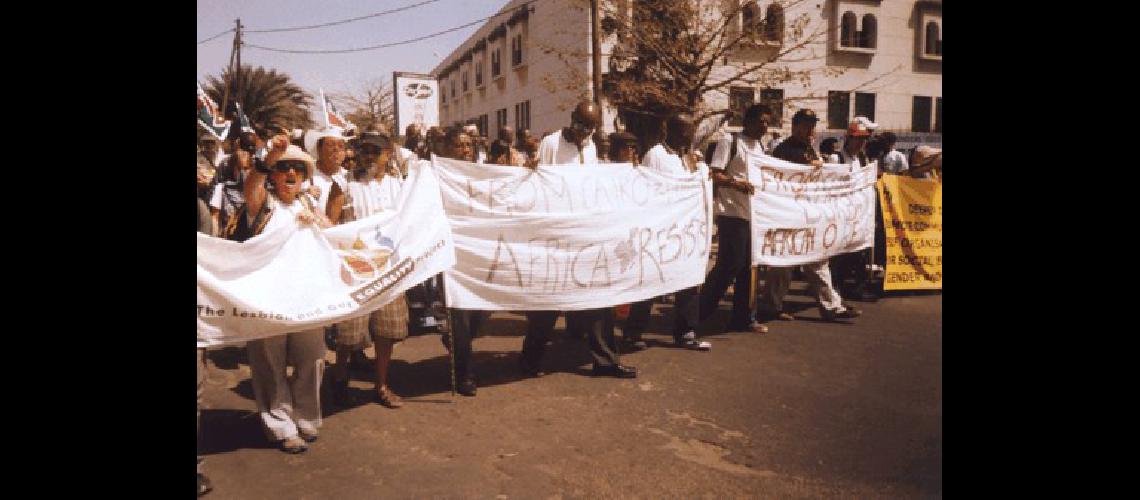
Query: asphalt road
point(811, 409)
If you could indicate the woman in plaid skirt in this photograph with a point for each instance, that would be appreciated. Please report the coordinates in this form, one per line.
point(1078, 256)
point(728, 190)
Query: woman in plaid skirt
point(369, 190)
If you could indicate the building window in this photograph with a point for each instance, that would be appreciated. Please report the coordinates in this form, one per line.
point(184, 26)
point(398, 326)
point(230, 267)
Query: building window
point(774, 98)
point(920, 114)
point(750, 19)
point(739, 99)
point(865, 105)
point(838, 108)
point(517, 50)
point(443, 85)
point(869, 35)
point(774, 23)
point(522, 115)
point(479, 72)
point(848, 36)
point(465, 81)
point(938, 116)
point(452, 87)
point(496, 62)
point(483, 126)
point(933, 40)
point(500, 120)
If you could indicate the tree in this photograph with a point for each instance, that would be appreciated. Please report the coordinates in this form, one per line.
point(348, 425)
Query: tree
point(268, 98)
point(670, 55)
point(371, 104)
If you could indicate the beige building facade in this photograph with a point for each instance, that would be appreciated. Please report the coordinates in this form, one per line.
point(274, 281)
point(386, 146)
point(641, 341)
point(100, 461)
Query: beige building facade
point(528, 66)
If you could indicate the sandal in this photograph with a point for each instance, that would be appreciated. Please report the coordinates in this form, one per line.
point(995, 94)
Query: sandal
point(388, 399)
point(689, 341)
point(293, 445)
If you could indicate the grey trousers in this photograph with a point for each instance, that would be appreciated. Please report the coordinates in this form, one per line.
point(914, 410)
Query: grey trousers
point(288, 404)
point(818, 274)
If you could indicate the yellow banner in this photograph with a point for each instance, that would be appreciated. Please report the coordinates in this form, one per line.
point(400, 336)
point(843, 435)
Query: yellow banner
point(912, 217)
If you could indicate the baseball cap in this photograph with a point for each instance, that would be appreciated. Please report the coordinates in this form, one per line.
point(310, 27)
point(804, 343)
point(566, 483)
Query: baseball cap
point(858, 129)
point(804, 115)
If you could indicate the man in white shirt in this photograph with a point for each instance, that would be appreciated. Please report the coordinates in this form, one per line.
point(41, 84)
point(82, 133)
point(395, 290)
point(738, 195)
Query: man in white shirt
point(733, 209)
point(572, 145)
point(673, 157)
point(895, 161)
point(328, 147)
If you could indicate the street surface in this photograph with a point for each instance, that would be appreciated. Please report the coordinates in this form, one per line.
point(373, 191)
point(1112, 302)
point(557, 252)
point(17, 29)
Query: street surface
point(811, 409)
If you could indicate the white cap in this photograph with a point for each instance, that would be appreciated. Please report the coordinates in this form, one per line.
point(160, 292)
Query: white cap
point(870, 125)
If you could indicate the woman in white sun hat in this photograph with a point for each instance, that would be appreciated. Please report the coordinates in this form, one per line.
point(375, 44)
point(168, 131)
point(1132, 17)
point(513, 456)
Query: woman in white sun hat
point(289, 407)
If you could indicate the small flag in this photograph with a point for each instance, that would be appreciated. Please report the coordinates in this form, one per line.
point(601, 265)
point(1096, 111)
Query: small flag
point(243, 121)
point(210, 118)
point(333, 118)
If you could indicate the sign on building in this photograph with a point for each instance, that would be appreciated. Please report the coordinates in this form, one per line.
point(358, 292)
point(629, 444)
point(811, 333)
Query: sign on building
point(416, 100)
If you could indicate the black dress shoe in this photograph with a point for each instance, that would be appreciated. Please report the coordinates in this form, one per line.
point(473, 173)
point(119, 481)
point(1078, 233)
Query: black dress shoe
point(467, 387)
point(619, 371)
point(528, 370)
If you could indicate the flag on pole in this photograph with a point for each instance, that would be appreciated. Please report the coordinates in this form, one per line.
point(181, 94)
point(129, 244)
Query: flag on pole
point(333, 118)
point(243, 121)
point(210, 118)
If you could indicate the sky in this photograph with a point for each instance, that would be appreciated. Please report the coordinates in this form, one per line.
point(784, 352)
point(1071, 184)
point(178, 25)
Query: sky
point(336, 72)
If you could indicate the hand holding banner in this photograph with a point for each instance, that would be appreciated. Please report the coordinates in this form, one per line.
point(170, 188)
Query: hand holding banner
point(297, 278)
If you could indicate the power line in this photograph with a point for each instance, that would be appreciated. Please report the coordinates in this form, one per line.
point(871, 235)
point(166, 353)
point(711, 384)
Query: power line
point(231, 30)
point(392, 44)
point(334, 23)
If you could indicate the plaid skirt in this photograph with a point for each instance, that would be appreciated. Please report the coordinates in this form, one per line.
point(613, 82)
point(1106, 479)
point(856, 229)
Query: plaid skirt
point(388, 322)
point(391, 321)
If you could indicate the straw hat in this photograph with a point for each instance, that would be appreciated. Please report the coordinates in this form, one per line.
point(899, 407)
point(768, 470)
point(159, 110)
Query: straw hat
point(925, 155)
point(297, 154)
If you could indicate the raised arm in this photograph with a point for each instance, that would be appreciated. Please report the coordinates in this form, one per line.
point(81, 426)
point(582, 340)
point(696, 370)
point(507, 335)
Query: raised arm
point(254, 189)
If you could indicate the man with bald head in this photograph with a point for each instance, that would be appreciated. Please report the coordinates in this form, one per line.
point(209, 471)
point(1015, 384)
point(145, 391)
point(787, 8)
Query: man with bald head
point(573, 146)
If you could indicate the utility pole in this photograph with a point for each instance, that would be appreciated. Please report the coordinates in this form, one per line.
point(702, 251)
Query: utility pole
point(596, 48)
point(235, 52)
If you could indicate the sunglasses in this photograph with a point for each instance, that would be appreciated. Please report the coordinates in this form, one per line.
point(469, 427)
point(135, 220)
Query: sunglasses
point(285, 166)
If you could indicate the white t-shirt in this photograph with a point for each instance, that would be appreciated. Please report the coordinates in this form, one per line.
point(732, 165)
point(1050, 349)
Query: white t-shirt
point(216, 199)
point(661, 160)
point(894, 162)
point(556, 150)
point(282, 214)
point(325, 182)
point(404, 158)
point(373, 196)
point(731, 202)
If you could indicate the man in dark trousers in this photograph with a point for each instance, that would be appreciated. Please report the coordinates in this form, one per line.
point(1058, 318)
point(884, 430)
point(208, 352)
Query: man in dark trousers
point(733, 221)
point(798, 149)
point(572, 145)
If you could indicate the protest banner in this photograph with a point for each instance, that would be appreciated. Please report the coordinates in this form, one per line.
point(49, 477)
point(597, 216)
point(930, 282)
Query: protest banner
point(802, 214)
point(294, 279)
point(912, 220)
point(572, 237)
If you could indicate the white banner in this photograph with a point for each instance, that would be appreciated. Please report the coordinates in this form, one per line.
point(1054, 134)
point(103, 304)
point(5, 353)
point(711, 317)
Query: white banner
point(294, 279)
point(572, 237)
point(801, 214)
point(416, 101)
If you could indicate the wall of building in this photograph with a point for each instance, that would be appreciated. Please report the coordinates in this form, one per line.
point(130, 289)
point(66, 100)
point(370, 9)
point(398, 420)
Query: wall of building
point(554, 80)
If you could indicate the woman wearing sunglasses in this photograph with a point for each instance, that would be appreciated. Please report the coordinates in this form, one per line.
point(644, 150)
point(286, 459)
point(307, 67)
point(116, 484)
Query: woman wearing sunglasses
point(290, 409)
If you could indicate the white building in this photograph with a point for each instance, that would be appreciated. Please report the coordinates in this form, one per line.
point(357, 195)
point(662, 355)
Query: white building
point(528, 66)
